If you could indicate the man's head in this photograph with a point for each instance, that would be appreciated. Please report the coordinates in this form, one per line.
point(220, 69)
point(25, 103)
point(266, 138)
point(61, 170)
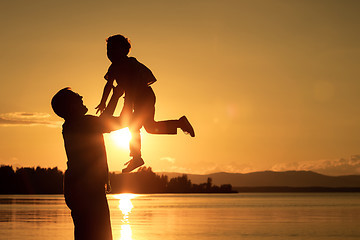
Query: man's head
point(118, 47)
point(68, 104)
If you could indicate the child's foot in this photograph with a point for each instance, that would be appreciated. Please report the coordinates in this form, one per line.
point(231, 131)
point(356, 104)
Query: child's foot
point(132, 164)
point(186, 126)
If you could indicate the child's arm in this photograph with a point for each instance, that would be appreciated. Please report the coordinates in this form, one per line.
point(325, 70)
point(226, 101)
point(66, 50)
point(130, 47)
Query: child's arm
point(108, 121)
point(107, 89)
point(110, 108)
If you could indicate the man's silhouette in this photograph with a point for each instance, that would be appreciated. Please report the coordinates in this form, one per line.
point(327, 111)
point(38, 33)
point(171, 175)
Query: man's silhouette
point(86, 177)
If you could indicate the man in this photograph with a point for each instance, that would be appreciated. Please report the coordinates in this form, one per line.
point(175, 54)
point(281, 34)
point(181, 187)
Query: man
point(86, 177)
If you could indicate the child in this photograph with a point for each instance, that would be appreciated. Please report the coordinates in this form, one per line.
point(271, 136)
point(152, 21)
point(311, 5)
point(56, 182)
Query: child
point(139, 104)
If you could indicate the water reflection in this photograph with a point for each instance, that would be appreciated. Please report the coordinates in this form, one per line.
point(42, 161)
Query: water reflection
point(250, 216)
point(125, 206)
point(125, 232)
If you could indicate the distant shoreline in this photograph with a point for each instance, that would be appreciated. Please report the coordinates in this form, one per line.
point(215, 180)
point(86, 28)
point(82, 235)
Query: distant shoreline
point(50, 181)
point(282, 189)
point(239, 190)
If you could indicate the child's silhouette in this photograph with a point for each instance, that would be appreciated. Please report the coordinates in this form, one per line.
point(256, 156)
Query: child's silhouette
point(139, 104)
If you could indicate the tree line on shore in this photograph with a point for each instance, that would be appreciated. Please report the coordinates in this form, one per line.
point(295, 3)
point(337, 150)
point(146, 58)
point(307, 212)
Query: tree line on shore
point(50, 181)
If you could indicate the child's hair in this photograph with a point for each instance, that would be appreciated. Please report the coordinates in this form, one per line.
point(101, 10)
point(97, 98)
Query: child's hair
point(61, 102)
point(117, 45)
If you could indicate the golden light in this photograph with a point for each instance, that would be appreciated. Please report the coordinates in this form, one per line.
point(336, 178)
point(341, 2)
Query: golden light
point(125, 232)
point(121, 137)
point(125, 206)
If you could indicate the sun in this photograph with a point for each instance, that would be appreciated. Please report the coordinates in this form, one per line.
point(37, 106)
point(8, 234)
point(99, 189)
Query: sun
point(121, 137)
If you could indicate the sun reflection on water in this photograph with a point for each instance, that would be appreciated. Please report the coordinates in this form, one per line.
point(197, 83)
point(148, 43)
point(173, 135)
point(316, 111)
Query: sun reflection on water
point(125, 232)
point(125, 206)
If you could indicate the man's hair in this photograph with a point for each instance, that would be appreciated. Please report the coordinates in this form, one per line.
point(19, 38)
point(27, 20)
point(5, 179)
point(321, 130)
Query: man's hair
point(61, 101)
point(118, 43)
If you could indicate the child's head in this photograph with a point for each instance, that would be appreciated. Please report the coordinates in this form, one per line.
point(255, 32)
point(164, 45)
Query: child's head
point(68, 104)
point(118, 47)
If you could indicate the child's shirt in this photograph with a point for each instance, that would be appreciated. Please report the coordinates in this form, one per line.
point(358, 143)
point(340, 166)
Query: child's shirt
point(131, 75)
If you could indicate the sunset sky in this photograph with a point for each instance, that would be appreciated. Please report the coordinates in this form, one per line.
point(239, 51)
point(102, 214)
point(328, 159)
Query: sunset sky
point(267, 85)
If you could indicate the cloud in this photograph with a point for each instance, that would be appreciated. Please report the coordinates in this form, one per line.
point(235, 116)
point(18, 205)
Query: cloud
point(168, 159)
point(27, 119)
point(232, 167)
point(336, 167)
point(169, 164)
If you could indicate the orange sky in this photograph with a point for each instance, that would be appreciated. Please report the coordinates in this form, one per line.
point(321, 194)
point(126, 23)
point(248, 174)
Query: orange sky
point(268, 85)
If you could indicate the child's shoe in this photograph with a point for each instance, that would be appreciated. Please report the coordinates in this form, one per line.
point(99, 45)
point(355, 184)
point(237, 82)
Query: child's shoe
point(186, 126)
point(132, 164)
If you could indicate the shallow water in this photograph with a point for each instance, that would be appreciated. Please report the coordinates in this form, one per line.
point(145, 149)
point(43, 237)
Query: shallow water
point(192, 216)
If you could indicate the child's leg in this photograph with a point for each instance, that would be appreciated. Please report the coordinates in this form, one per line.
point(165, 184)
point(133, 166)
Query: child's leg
point(169, 126)
point(161, 127)
point(127, 117)
point(144, 115)
point(135, 150)
point(135, 142)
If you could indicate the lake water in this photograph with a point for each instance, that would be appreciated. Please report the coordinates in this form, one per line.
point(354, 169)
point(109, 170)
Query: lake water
point(192, 216)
